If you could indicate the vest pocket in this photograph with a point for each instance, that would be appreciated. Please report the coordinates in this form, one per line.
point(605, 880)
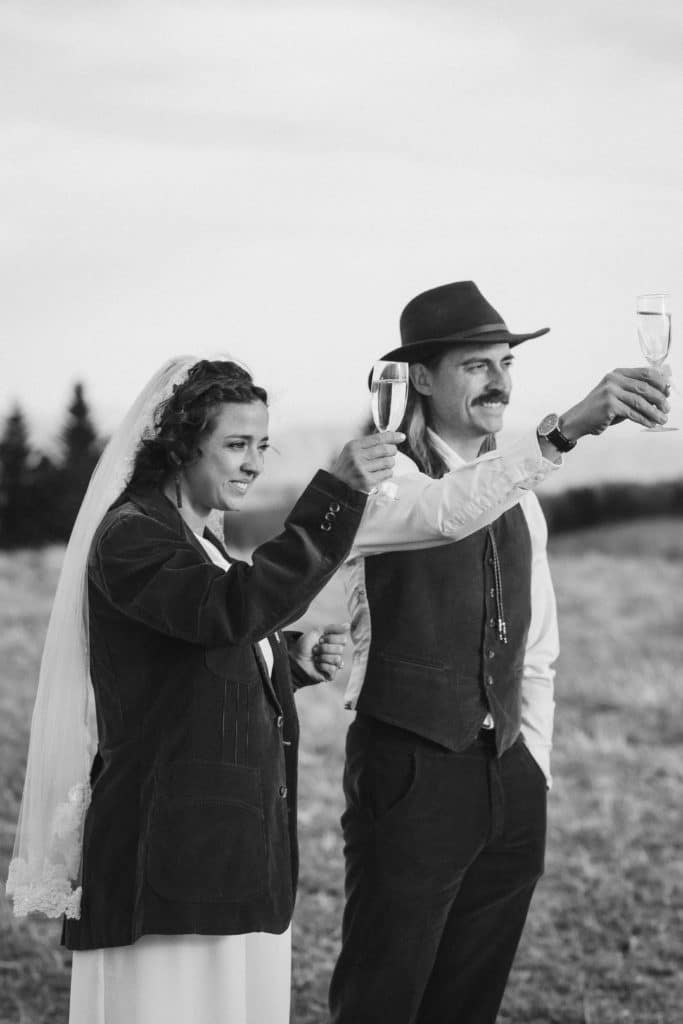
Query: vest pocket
point(409, 661)
point(207, 838)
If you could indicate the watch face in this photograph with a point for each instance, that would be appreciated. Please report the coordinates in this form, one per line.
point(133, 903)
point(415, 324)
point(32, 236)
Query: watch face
point(548, 424)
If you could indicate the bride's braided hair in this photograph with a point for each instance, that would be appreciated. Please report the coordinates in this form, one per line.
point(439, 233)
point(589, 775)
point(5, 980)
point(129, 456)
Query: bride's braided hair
point(183, 418)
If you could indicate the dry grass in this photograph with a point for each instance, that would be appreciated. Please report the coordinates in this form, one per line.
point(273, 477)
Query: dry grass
point(604, 940)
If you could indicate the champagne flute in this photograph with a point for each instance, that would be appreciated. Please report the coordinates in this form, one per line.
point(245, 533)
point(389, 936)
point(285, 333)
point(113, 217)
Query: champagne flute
point(653, 316)
point(388, 398)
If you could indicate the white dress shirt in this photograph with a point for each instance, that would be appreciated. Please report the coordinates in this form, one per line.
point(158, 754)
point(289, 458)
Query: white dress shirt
point(423, 512)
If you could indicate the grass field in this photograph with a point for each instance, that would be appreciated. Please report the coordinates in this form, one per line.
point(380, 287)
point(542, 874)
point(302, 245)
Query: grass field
point(604, 939)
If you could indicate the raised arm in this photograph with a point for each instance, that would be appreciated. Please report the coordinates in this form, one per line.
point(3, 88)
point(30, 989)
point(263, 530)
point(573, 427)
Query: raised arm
point(428, 512)
point(155, 575)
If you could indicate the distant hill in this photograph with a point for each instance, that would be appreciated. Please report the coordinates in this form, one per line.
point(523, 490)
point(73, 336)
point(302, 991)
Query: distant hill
point(624, 454)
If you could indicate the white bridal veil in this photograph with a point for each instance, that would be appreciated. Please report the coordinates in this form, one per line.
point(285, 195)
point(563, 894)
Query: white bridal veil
point(43, 873)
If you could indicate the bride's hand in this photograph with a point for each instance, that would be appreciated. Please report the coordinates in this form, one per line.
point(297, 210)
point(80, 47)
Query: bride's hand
point(319, 652)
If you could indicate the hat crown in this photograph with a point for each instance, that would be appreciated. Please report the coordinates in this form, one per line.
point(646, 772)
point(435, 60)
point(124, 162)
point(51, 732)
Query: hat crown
point(450, 309)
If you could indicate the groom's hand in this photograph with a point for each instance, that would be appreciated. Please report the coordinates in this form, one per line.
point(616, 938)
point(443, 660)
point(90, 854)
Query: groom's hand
point(638, 394)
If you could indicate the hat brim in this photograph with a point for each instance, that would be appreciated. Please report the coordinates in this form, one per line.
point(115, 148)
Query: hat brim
point(416, 351)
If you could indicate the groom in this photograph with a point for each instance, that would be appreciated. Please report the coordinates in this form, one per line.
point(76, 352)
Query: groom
point(448, 759)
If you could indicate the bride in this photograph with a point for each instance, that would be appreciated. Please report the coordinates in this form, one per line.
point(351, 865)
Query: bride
point(159, 809)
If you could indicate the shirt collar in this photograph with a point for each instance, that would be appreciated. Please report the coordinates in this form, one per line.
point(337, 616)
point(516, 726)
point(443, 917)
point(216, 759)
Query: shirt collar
point(448, 454)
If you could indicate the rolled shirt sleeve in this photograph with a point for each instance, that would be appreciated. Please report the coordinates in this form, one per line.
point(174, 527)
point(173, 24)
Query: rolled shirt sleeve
point(424, 512)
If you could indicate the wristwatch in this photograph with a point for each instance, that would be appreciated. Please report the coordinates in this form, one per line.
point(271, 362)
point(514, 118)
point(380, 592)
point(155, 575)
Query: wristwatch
point(549, 427)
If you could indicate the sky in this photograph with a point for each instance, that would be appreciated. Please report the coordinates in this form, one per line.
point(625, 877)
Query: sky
point(277, 181)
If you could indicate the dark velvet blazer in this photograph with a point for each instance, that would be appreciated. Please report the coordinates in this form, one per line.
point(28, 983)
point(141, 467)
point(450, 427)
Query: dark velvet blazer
point(192, 823)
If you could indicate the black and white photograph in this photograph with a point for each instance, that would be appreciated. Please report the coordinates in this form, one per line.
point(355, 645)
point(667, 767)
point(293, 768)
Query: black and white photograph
point(341, 512)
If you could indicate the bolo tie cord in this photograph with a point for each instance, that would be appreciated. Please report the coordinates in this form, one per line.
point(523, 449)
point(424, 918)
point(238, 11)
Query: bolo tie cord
point(498, 581)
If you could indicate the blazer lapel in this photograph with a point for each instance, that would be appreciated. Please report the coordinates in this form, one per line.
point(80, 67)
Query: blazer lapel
point(280, 659)
point(258, 654)
point(161, 503)
point(265, 675)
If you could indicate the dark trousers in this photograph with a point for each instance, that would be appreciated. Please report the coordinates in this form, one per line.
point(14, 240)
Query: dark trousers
point(443, 851)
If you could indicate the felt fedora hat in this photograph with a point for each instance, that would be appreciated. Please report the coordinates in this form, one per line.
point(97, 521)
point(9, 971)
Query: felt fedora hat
point(453, 314)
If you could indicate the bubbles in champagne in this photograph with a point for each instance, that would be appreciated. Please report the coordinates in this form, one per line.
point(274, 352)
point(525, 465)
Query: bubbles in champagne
point(388, 399)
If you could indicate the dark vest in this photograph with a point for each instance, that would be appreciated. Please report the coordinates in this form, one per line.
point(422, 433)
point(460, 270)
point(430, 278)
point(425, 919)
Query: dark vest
point(437, 663)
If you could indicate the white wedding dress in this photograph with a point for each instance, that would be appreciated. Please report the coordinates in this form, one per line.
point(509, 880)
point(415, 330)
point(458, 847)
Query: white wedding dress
point(177, 979)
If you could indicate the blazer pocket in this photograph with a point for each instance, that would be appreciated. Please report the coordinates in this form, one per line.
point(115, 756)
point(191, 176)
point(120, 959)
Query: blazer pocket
point(207, 839)
point(237, 662)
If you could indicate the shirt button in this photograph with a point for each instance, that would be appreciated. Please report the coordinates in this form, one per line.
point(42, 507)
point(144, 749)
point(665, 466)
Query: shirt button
point(489, 680)
point(283, 791)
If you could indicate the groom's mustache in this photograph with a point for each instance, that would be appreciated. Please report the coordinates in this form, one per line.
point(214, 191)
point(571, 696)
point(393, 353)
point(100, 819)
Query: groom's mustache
point(492, 396)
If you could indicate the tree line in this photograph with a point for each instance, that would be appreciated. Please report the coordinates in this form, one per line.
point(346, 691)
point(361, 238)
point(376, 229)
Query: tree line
point(40, 494)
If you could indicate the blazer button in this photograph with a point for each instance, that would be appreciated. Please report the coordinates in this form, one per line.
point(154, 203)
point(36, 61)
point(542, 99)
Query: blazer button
point(280, 721)
point(329, 516)
point(335, 506)
point(283, 791)
point(326, 527)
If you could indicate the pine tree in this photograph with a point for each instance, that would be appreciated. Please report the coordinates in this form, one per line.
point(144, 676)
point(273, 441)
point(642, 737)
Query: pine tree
point(80, 453)
point(79, 437)
point(14, 481)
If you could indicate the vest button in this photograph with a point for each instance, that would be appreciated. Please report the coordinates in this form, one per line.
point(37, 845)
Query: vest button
point(492, 623)
point(490, 653)
point(279, 721)
point(283, 791)
point(492, 592)
point(489, 680)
